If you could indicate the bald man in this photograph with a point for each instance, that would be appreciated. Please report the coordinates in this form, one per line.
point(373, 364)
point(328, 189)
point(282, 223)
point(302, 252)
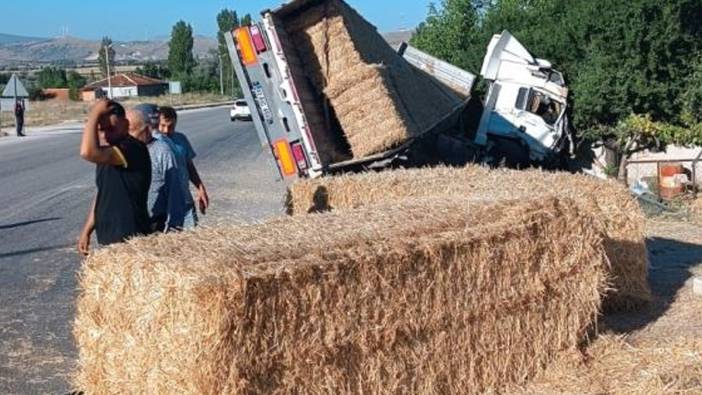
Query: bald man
point(166, 201)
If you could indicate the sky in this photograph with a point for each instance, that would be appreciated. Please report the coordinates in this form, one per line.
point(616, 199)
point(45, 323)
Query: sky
point(126, 20)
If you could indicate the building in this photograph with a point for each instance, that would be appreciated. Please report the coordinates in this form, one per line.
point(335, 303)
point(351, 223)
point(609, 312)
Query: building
point(60, 94)
point(125, 85)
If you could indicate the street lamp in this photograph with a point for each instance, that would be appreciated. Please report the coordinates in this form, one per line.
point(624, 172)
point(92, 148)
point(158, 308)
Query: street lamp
point(109, 75)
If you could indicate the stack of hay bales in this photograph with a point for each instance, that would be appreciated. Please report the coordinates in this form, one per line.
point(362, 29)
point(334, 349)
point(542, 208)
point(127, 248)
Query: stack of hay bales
point(427, 296)
point(379, 99)
point(616, 212)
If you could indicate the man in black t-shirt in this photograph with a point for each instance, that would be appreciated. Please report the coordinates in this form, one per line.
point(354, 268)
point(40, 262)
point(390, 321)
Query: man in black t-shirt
point(123, 178)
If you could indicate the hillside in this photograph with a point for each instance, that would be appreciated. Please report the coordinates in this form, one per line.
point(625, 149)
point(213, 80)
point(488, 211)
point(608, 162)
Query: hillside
point(16, 50)
point(23, 51)
point(11, 38)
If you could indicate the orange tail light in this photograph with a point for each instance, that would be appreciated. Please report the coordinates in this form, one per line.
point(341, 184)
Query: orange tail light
point(246, 48)
point(285, 157)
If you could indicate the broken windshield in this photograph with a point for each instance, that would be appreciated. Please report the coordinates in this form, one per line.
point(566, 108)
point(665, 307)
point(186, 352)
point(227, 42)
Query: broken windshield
point(539, 104)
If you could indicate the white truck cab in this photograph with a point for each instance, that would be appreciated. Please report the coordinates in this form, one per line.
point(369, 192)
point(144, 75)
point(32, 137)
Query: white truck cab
point(526, 101)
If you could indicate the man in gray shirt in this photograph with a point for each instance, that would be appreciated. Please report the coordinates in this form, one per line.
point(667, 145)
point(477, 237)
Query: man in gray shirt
point(166, 200)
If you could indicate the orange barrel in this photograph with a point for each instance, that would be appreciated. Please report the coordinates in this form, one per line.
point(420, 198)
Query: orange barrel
point(670, 184)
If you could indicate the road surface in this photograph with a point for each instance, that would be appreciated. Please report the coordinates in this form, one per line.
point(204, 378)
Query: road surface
point(45, 190)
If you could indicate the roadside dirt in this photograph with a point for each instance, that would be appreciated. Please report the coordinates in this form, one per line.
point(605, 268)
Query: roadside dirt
point(657, 350)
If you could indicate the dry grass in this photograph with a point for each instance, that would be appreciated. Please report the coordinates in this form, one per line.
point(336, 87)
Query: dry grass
point(179, 100)
point(379, 99)
point(51, 112)
point(617, 365)
point(435, 295)
point(611, 205)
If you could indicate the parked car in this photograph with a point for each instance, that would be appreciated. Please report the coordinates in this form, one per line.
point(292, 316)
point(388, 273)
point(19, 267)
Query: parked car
point(240, 111)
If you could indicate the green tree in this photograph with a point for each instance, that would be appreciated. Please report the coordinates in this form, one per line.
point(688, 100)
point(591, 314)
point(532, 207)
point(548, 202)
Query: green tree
point(246, 20)
point(75, 82)
point(51, 77)
point(692, 97)
point(180, 50)
point(451, 32)
point(226, 21)
point(619, 58)
point(153, 70)
point(106, 50)
point(204, 77)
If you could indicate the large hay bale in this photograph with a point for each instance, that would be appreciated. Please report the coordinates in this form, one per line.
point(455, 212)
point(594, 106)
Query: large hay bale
point(379, 99)
point(616, 212)
point(428, 296)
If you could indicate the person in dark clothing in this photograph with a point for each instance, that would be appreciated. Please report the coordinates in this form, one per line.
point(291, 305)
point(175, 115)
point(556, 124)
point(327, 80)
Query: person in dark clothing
point(19, 117)
point(123, 177)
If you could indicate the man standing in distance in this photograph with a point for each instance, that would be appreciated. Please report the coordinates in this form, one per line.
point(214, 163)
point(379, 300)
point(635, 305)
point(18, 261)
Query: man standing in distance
point(185, 152)
point(19, 117)
point(123, 177)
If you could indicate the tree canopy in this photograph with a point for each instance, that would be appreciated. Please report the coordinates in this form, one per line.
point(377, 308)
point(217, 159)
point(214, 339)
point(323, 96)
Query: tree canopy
point(106, 50)
point(180, 50)
point(619, 58)
point(226, 21)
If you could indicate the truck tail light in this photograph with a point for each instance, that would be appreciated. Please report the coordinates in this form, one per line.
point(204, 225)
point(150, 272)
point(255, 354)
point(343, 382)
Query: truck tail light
point(257, 38)
point(285, 157)
point(299, 156)
point(246, 48)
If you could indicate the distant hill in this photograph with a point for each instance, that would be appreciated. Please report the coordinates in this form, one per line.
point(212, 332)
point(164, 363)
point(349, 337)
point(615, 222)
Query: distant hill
point(11, 38)
point(17, 50)
point(22, 51)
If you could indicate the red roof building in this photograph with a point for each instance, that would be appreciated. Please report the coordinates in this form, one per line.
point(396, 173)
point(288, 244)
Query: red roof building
point(125, 85)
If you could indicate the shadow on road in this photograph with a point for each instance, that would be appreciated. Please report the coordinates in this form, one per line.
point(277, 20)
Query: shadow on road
point(25, 223)
point(671, 261)
point(33, 250)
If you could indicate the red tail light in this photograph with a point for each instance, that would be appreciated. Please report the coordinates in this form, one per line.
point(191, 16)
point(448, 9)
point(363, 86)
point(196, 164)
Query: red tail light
point(257, 38)
point(299, 156)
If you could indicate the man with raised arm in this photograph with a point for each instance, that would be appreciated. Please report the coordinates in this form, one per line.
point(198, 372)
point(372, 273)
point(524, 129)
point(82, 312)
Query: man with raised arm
point(123, 177)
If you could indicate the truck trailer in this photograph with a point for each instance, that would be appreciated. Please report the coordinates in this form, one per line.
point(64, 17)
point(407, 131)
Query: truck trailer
point(521, 122)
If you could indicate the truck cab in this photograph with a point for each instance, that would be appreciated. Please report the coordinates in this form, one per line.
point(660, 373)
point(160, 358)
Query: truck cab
point(526, 100)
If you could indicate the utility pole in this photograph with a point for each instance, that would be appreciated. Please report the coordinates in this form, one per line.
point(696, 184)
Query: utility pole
point(109, 75)
point(221, 77)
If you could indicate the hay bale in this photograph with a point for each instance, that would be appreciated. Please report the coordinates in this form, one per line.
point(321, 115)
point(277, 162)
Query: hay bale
point(616, 212)
point(427, 296)
point(379, 99)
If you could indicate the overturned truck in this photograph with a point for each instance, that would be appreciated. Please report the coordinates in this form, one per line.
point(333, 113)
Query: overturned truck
point(329, 95)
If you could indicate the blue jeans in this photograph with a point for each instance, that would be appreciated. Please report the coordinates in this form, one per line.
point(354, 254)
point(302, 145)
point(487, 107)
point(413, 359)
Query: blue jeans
point(190, 220)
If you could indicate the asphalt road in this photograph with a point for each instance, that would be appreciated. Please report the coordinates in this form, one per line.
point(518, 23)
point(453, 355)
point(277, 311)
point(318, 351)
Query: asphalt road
point(45, 190)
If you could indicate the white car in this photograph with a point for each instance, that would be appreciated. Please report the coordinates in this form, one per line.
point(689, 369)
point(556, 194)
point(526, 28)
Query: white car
point(240, 111)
